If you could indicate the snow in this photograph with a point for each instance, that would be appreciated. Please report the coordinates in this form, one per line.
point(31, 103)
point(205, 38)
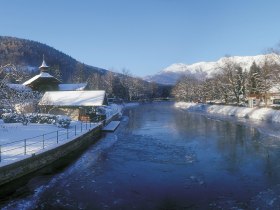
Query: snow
point(31, 68)
point(73, 98)
point(172, 73)
point(41, 75)
point(44, 65)
point(71, 87)
point(38, 137)
point(111, 126)
point(132, 104)
point(112, 109)
point(263, 114)
point(41, 137)
point(210, 67)
point(274, 89)
point(19, 87)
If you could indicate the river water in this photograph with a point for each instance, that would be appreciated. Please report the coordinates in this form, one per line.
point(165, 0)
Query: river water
point(164, 158)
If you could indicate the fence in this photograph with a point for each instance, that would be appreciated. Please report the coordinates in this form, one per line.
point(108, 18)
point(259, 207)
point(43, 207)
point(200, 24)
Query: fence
point(29, 146)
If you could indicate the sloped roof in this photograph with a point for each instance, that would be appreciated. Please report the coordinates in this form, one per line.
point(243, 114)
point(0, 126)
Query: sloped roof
point(44, 65)
point(41, 75)
point(73, 98)
point(275, 89)
point(19, 87)
point(67, 87)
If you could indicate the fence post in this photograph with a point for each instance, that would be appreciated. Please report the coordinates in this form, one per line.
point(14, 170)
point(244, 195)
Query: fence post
point(81, 127)
point(67, 134)
point(0, 153)
point(57, 137)
point(86, 125)
point(24, 146)
point(75, 130)
point(43, 141)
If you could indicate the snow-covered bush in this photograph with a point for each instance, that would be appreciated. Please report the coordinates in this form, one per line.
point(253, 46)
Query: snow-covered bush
point(11, 118)
point(63, 121)
point(3, 111)
point(59, 120)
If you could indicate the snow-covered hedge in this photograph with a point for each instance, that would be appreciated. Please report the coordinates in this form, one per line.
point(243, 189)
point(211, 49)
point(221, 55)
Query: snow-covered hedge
point(59, 120)
point(3, 110)
point(10, 118)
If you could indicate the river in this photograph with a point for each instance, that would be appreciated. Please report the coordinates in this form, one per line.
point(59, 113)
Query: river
point(164, 158)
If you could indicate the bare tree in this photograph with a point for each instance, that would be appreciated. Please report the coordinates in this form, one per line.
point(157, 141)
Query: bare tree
point(232, 79)
point(188, 89)
point(16, 97)
point(267, 79)
point(109, 82)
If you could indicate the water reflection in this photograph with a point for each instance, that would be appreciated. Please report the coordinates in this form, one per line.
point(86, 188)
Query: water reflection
point(163, 158)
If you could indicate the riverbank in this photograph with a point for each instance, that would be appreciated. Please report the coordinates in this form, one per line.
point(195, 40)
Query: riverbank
point(22, 157)
point(262, 114)
point(164, 158)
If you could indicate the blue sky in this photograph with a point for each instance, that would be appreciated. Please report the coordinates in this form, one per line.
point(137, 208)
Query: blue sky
point(145, 36)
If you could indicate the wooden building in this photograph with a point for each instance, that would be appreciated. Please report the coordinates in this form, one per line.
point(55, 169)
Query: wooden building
point(78, 105)
point(44, 81)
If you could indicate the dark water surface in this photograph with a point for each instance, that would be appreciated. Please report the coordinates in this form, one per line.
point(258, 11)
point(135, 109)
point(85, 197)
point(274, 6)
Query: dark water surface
point(163, 158)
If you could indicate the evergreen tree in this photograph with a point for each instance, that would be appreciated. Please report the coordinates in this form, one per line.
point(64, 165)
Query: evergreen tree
point(254, 82)
point(55, 71)
point(79, 75)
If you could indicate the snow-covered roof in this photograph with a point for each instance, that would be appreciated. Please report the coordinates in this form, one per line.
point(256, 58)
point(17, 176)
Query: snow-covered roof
point(19, 87)
point(44, 65)
point(275, 89)
point(41, 75)
point(73, 98)
point(67, 87)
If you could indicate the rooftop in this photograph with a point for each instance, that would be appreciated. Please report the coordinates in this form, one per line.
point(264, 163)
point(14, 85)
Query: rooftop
point(73, 98)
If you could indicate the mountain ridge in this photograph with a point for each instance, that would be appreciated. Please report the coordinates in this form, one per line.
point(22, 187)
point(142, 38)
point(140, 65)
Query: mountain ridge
point(171, 74)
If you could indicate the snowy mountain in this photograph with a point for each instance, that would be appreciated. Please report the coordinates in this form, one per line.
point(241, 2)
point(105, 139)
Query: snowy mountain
point(172, 73)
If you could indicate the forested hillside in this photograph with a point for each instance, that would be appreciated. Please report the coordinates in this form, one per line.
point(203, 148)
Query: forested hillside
point(29, 53)
point(27, 56)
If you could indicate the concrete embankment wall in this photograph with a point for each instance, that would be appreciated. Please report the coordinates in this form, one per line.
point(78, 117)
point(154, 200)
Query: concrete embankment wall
point(35, 162)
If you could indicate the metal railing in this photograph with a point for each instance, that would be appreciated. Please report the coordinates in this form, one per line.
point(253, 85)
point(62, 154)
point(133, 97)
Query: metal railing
point(29, 146)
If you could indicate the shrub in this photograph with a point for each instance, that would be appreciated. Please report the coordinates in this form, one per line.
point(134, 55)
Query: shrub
point(11, 118)
point(59, 120)
point(63, 121)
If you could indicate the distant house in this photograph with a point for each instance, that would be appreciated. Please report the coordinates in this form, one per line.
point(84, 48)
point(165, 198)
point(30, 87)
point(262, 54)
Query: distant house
point(79, 105)
point(272, 97)
point(254, 100)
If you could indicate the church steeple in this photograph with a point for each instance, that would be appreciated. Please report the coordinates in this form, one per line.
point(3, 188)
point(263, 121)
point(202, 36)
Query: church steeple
point(44, 67)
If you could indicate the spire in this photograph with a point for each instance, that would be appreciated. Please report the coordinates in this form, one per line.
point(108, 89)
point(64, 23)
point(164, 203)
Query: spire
point(44, 67)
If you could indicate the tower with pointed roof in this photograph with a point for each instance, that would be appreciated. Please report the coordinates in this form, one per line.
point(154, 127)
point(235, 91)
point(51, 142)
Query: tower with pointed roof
point(43, 81)
point(44, 67)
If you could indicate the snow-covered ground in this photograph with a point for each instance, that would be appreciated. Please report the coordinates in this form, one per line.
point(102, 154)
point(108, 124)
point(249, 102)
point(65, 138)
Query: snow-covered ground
point(263, 114)
point(19, 141)
point(132, 104)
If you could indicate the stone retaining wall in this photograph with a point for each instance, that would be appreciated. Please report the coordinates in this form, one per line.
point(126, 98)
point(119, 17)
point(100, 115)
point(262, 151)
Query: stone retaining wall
point(35, 162)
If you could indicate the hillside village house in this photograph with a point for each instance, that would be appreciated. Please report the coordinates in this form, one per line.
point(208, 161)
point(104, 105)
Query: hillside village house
point(273, 98)
point(72, 100)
